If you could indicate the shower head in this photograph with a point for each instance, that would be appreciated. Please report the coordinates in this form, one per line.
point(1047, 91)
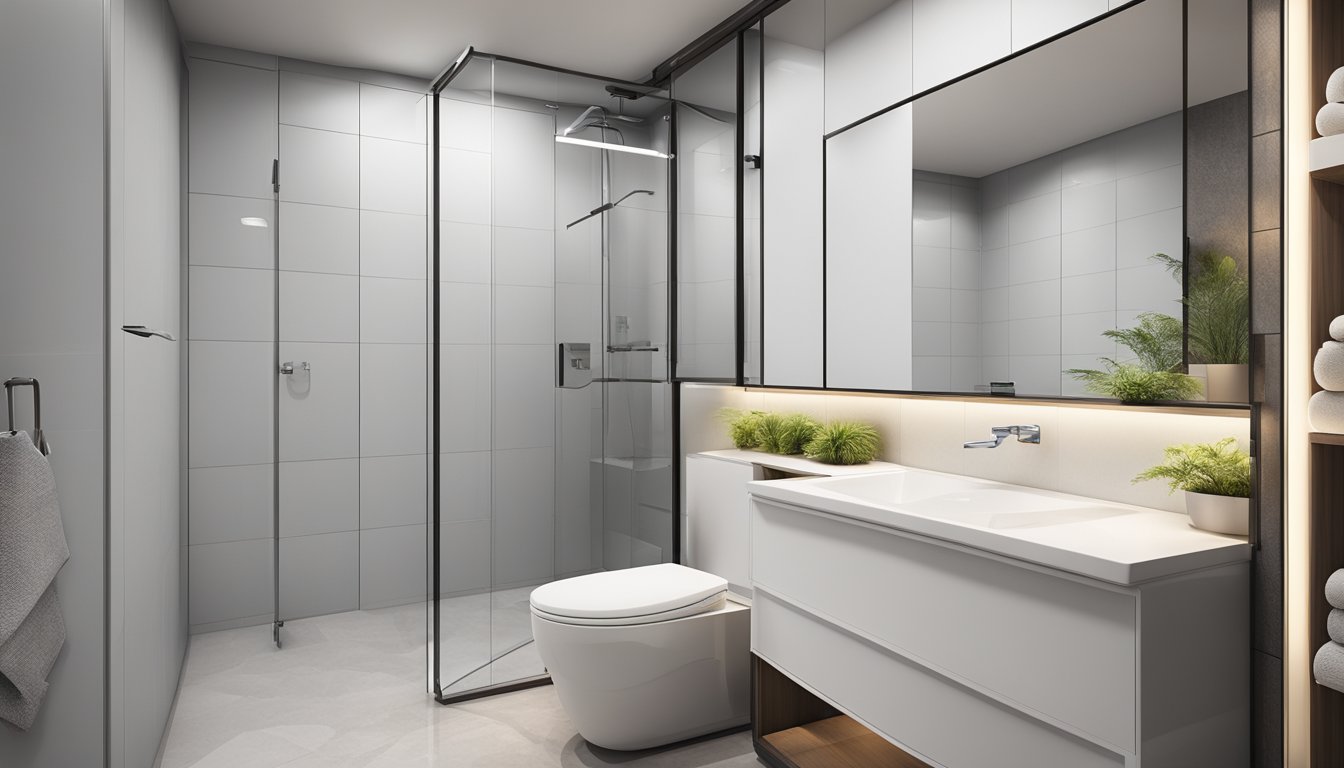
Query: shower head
point(598, 117)
point(608, 206)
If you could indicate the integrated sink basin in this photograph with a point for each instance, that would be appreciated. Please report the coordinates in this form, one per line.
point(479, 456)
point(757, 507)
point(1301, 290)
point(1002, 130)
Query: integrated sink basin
point(1118, 543)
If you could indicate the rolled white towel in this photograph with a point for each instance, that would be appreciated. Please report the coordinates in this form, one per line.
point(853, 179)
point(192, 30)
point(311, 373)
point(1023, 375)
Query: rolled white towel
point(1328, 666)
point(1334, 87)
point(1337, 328)
point(1330, 119)
point(1329, 366)
point(1325, 411)
point(1334, 589)
point(1334, 624)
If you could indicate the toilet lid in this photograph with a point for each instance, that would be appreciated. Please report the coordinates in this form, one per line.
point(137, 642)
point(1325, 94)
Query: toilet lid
point(629, 593)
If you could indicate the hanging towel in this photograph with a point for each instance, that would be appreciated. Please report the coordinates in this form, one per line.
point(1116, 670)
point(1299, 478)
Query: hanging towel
point(1334, 589)
point(32, 550)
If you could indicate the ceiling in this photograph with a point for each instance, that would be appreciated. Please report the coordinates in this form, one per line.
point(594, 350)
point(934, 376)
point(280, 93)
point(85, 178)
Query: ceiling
point(615, 38)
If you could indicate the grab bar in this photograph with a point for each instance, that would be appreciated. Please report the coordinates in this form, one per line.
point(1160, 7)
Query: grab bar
point(39, 439)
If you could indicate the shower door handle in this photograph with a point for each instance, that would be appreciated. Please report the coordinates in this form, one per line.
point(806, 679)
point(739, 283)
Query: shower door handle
point(287, 369)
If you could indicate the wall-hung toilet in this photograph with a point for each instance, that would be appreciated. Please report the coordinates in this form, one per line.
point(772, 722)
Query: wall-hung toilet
point(645, 656)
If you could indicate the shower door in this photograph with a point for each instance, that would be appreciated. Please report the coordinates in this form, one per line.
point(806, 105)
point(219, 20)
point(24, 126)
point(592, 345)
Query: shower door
point(554, 435)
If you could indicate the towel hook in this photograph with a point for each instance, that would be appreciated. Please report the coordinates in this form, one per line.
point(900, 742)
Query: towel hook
point(39, 439)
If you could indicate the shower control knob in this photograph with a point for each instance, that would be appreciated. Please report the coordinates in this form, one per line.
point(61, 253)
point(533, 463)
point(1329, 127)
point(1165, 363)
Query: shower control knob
point(287, 369)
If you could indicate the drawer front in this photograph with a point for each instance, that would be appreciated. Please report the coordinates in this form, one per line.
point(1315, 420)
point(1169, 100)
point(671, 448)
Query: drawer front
point(924, 713)
point(1062, 648)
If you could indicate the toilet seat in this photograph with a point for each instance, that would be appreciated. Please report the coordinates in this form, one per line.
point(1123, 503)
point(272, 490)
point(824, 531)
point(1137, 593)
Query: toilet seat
point(643, 595)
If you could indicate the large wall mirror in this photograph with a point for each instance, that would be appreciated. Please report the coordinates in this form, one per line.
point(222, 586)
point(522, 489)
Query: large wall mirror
point(1078, 207)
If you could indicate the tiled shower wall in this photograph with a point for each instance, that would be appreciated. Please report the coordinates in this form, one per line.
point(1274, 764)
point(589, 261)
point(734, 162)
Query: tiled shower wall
point(352, 301)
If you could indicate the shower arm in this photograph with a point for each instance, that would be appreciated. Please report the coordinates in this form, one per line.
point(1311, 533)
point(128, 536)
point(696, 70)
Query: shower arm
point(607, 207)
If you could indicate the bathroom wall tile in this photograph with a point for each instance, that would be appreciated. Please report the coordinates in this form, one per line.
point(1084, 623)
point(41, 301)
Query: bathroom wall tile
point(465, 252)
point(319, 574)
point(523, 315)
point(995, 268)
point(963, 306)
point(230, 403)
point(231, 135)
point(1087, 293)
point(1148, 289)
point(964, 226)
point(578, 315)
point(1036, 374)
point(1089, 163)
point(931, 434)
point(1036, 20)
point(524, 257)
point(231, 580)
point(1088, 250)
point(228, 304)
point(709, 248)
point(1023, 463)
point(392, 311)
point(464, 313)
point(995, 305)
point(931, 224)
point(1085, 207)
point(993, 227)
point(524, 500)
point(464, 187)
point(466, 480)
point(931, 267)
point(230, 503)
point(1071, 386)
point(319, 408)
point(931, 338)
point(1149, 146)
point(964, 339)
point(464, 557)
point(1150, 192)
point(1034, 218)
point(964, 269)
point(930, 304)
point(391, 566)
point(327, 103)
point(465, 380)
point(1034, 261)
point(392, 176)
point(463, 125)
point(319, 497)
point(392, 245)
point(1139, 238)
point(1034, 336)
point(218, 237)
point(1035, 178)
point(994, 338)
point(524, 400)
point(393, 490)
point(954, 38)
point(1080, 334)
point(319, 238)
point(524, 189)
point(391, 113)
point(393, 410)
point(318, 307)
point(931, 374)
point(1034, 300)
point(319, 167)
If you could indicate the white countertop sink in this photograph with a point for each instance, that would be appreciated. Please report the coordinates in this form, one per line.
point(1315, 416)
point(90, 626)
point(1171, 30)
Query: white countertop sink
point(1118, 543)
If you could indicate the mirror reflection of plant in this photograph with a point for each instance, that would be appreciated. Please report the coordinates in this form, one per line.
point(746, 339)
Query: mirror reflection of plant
point(1218, 308)
point(1155, 342)
point(1131, 383)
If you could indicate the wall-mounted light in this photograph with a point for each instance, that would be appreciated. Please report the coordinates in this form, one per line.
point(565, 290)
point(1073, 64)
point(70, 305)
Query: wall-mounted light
point(613, 147)
point(253, 221)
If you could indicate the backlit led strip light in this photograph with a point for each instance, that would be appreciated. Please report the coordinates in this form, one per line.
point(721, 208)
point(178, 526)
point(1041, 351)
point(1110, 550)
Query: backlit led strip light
point(614, 147)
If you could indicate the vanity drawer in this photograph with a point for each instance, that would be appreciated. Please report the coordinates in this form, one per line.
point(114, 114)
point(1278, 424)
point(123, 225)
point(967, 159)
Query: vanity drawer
point(922, 712)
point(1051, 645)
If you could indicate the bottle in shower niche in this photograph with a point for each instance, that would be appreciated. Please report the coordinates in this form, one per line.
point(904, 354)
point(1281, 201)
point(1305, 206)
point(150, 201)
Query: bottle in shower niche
point(620, 333)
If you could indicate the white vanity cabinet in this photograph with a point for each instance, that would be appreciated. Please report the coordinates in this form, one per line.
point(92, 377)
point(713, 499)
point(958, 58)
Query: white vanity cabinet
point(966, 658)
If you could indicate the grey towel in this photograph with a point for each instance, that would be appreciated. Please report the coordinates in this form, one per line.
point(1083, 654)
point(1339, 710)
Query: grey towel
point(32, 550)
point(1328, 666)
point(1334, 623)
point(1334, 589)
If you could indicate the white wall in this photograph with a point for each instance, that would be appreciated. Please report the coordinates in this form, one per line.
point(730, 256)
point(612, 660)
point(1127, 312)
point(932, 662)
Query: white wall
point(946, 276)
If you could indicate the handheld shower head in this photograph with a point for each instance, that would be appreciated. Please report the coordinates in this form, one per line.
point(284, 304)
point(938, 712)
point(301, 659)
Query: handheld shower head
point(608, 206)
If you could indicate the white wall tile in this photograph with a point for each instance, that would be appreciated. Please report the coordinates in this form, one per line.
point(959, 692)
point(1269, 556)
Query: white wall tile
point(1034, 261)
point(524, 400)
point(994, 268)
point(319, 307)
point(929, 304)
point(466, 479)
point(319, 238)
point(392, 490)
point(231, 580)
point(524, 500)
point(326, 103)
point(1034, 218)
point(1148, 289)
point(1150, 192)
point(1088, 293)
point(1080, 334)
point(523, 315)
point(1088, 250)
point(1035, 374)
point(1090, 163)
point(320, 167)
point(218, 237)
point(524, 163)
point(1035, 20)
point(393, 412)
point(931, 374)
point(464, 252)
point(319, 497)
point(1088, 206)
point(1034, 336)
point(230, 503)
point(390, 113)
point(228, 304)
point(963, 305)
point(465, 385)
point(392, 176)
point(391, 566)
point(319, 574)
point(231, 135)
point(524, 256)
point(993, 227)
point(994, 338)
point(931, 339)
point(953, 37)
point(463, 125)
point(464, 186)
point(392, 311)
point(1146, 147)
point(932, 268)
point(464, 557)
point(709, 250)
point(230, 407)
point(319, 408)
point(1139, 238)
point(392, 245)
point(464, 312)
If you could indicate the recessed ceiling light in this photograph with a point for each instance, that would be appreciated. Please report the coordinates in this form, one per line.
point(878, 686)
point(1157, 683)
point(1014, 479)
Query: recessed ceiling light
point(253, 221)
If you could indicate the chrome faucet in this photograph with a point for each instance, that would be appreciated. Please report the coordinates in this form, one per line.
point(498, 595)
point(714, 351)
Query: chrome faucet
point(1025, 433)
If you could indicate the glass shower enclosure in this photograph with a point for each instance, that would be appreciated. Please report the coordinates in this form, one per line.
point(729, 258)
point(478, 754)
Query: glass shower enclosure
point(553, 405)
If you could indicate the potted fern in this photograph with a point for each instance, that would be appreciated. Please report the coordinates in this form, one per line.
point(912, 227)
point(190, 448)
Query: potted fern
point(1156, 373)
point(1218, 308)
point(1216, 479)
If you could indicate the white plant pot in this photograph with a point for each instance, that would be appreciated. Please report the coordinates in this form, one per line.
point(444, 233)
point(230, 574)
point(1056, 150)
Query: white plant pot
point(1219, 514)
point(1228, 383)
